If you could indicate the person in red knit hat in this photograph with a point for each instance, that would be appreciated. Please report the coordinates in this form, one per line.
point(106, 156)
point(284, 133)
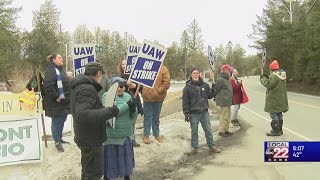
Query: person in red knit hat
point(276, 96)
point(224, 99)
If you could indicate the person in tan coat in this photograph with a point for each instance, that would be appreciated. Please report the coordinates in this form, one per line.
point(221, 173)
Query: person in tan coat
point(152, 103)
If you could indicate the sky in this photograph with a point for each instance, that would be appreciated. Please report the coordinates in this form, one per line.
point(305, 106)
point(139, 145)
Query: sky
point(220, 20)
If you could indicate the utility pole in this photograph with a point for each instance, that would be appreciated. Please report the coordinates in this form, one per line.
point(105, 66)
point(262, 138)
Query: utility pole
point(66, 57)
point(60, 39)
point(185, 67)
point(290, 11)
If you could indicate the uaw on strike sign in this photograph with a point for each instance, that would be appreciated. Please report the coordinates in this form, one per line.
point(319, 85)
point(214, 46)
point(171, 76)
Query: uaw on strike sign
point(132, 54)
point(149, 61)
point(82, 54)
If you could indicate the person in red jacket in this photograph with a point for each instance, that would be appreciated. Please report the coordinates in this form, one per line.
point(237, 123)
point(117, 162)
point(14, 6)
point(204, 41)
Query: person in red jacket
point(237, 97)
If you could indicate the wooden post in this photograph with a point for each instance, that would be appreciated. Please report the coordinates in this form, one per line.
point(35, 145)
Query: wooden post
point(42, 117)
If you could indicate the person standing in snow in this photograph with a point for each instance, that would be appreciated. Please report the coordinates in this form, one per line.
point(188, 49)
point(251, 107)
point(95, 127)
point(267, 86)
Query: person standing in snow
point(195, 109)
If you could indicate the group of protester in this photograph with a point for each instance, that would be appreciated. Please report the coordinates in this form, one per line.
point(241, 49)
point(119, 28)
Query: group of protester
point(84, 97)
point(106, 149)
point(229, 94)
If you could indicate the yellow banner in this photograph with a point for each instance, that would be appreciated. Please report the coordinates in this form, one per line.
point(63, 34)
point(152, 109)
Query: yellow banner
point(20, 104)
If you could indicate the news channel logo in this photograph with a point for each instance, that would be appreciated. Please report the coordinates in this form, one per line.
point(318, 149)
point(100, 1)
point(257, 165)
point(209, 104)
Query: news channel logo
point(277, 151)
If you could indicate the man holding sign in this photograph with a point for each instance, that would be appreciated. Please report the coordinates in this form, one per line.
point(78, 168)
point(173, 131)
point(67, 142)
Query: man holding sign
point(155, 77)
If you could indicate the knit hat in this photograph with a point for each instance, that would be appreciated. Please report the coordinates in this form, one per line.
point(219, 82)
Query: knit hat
point(226, 67)
point(123, 84)
point(274, 65)
point(93, 67)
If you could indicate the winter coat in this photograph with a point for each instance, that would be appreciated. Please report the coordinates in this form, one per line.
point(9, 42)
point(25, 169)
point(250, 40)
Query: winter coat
point(89, 115)
point(237, 92)
point(276, 94)
point(195, 97)
point(223, 90)
point(159, 90)
point(123, 123)
point(51, 106)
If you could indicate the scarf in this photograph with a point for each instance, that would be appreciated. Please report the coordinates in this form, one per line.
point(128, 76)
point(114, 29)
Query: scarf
point(59, 84)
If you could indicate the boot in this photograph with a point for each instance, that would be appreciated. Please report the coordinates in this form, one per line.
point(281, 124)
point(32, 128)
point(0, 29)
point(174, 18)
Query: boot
point(126, 178)
point(228, 133)
point(146, 140)
point(275, 125)
point(234, 122)
point(237, 121)
point(192, 152)
point(135, 144)
point(59, 146)
point(223, 134)
point(159, 139)
point(215, 149)
point(280, 126)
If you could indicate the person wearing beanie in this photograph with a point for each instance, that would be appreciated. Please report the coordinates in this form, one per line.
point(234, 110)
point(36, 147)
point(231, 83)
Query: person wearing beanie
point(276, 102)
point(224, 99)
point(89, 119)
point(118, 148)
point(131, 88)
point(56, 100)
point(274, 65)
point(195, 109)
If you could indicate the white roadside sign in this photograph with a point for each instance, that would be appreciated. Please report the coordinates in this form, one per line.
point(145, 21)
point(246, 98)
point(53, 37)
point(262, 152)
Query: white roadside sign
point(20, 140)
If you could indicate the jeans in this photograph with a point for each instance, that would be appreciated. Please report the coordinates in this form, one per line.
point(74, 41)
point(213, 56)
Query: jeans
point(204, 119)
point(234, 111)
point(92, 162)
point(151, 118)
point(276, 116)
point(57, 125)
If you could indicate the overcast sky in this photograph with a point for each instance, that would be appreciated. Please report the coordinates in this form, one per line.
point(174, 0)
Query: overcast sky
point(164, 21)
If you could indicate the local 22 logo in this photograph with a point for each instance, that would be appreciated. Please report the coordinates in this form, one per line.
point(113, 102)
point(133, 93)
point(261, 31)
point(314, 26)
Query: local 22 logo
point(277, 151)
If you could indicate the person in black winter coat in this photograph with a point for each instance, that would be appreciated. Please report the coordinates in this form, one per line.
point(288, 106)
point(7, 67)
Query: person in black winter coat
point(195, 109)
point(89, 119)
point(56, 100)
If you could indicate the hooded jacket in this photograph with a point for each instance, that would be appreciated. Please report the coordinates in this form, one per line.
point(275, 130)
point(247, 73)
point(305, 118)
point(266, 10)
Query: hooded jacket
point(276, 94)
point(89, 115)
point(195, 97)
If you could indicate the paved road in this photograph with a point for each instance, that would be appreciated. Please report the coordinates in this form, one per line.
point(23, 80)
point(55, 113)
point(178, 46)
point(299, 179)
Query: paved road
point(242, 157)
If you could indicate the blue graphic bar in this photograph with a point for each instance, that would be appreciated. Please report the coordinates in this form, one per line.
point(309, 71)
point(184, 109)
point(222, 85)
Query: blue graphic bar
point(291, 151)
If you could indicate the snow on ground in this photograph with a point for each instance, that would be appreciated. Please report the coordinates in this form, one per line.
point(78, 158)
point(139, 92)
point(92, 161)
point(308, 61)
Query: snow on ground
point(173, 129)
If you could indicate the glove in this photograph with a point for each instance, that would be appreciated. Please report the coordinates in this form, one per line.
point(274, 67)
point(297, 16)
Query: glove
point(114, 110)
point(132, 105)
point(187, 117)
